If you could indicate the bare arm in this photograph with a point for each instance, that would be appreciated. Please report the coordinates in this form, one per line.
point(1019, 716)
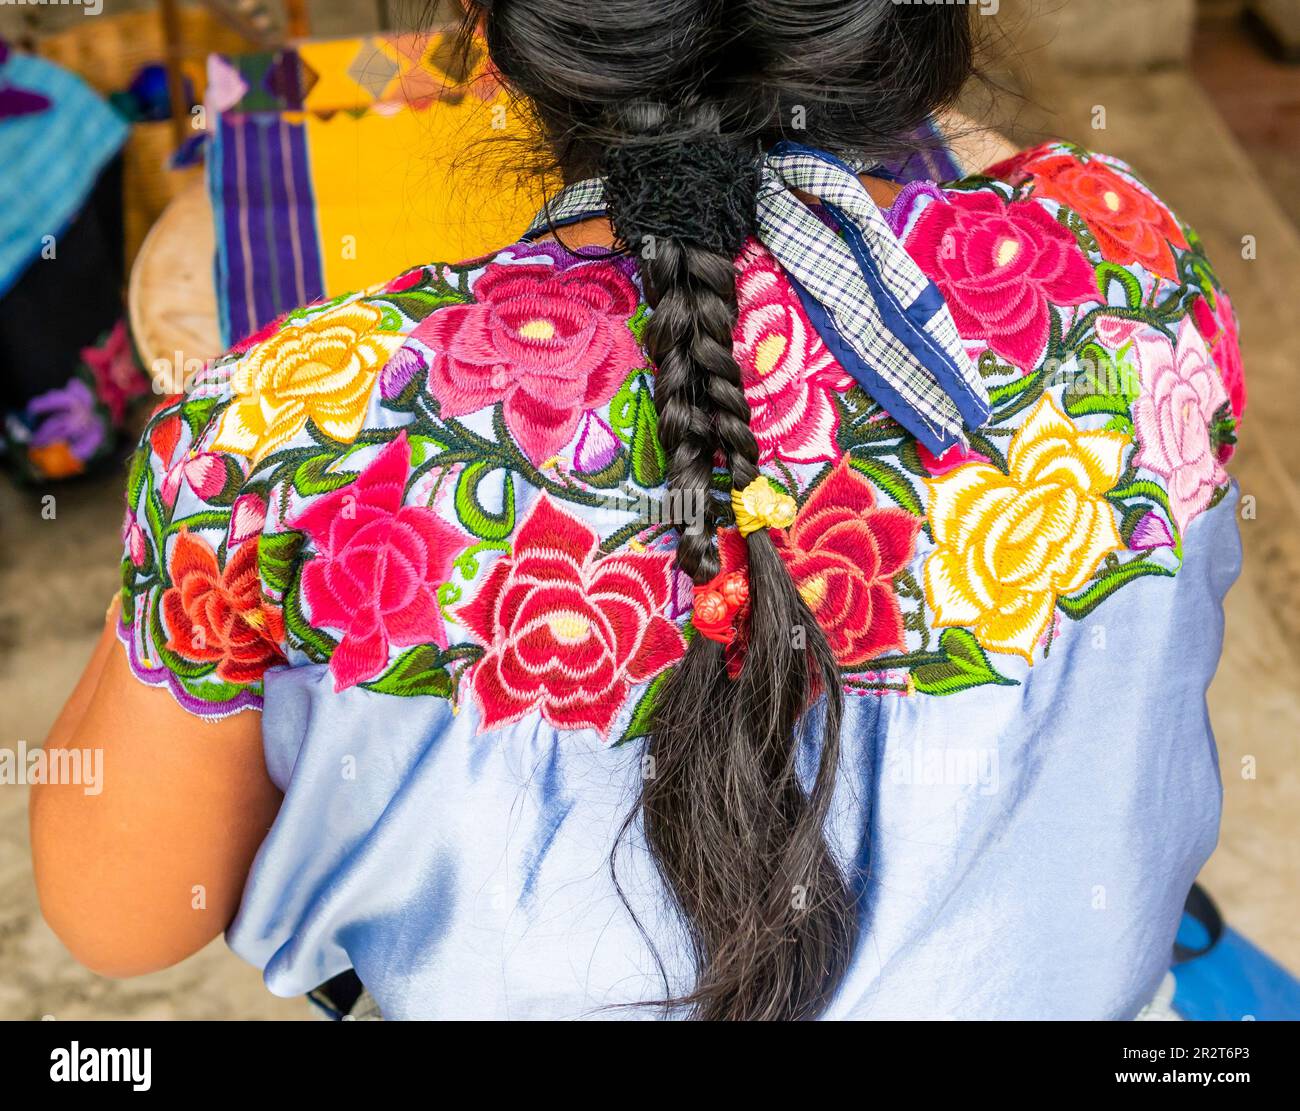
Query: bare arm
point(152, 868)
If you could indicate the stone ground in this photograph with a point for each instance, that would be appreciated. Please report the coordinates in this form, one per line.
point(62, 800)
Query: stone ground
point(57, 576)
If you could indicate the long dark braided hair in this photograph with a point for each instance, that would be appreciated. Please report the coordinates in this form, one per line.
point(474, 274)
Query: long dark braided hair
point(672, 101)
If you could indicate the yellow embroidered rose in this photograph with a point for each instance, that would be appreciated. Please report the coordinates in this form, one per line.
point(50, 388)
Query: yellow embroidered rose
point(1009, 545)
point(323, 369)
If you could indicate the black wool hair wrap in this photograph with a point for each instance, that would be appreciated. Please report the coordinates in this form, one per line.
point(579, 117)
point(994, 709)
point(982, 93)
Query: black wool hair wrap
point(701, 191)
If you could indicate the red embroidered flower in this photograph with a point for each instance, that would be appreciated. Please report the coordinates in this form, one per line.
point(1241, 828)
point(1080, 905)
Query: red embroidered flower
point(1219, 327)
point(1000, 268)
point(843, 553)
point(1129, 224)
point(566, 633)
point(378, 567)
point(547, 344)
point(221, 615)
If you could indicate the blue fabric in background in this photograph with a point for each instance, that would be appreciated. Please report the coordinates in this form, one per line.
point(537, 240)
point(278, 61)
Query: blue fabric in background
point(51, 159)
point(1232, 981)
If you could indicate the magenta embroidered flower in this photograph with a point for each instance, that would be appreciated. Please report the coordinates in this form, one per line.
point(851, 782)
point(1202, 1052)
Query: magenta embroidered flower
point(789, 374)
point(1150, 532)
point(548, 345)
point(377, 567)
point(1000, 268)
point(1219, 327)
point(949, 460)
point(1181, 391)
point(597, 445)
point(405, 364)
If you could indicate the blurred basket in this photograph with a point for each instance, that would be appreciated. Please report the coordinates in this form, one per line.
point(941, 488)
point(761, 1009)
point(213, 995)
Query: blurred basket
point(107, 53)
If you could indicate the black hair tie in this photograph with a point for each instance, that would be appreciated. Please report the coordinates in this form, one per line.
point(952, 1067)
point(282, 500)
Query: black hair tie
point(701, 190)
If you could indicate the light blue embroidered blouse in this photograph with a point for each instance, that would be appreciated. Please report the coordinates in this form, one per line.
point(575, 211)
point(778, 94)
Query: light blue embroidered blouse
point(453, 614)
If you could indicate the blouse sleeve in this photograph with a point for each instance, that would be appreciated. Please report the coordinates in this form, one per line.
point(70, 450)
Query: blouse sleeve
point(197, 613)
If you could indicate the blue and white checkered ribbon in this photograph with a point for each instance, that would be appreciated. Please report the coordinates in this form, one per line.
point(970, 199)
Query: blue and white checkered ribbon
point(880, 316)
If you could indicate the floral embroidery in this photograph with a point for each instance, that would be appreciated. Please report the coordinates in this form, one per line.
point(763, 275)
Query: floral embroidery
point(1218, 324)
point(789, 375)
point(1181, 392)
point(1000, 268)
point(320, 371)
point(1009, 545)
point(568, 633)
point(1130, 225)
point(219, 614)
point(452, 485)
point(547, 346)
point(378, 567)
point(843, 552)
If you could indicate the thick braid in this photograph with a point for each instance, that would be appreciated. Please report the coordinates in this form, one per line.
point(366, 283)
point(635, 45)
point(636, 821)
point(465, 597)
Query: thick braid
point(689, 340)
point(682, 199)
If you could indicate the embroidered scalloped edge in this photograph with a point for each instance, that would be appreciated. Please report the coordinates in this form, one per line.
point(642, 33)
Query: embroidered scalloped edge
point(162, 677)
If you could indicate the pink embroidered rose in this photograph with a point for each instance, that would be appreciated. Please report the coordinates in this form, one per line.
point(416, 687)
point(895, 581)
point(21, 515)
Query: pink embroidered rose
point(1219, 327)
point(1181, 391)
point(205, 472)
point(789, 374)
point(568, 633)
point(377, 567)
point(547, 344)
point(1001, 267)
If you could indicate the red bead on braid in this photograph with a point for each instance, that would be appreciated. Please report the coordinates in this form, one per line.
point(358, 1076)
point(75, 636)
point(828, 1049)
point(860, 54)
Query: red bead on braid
point(716, 604)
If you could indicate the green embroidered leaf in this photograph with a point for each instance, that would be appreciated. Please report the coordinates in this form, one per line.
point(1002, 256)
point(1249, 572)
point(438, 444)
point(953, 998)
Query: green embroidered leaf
point(417, 671)
point(614, 472)
point(424, 447)
point(419, 303)
point(967, 666)
point(648, 462)
point(127, 593)
point(315, 644)
point(1102, 384)
point(1108, 272)
point(135, 477)
point(1083, 604)
point(622, 408)
point(910, 456)
point(276, 555)
point(890, 479)
point(482, 522)
point(313, 476)
point(642, 721)
point(204, 519)
point(219, 690)
point(197, 413)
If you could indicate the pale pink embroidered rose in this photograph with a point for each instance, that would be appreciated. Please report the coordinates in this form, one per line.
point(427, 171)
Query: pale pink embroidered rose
point(789, 374)
point(1181, 391)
